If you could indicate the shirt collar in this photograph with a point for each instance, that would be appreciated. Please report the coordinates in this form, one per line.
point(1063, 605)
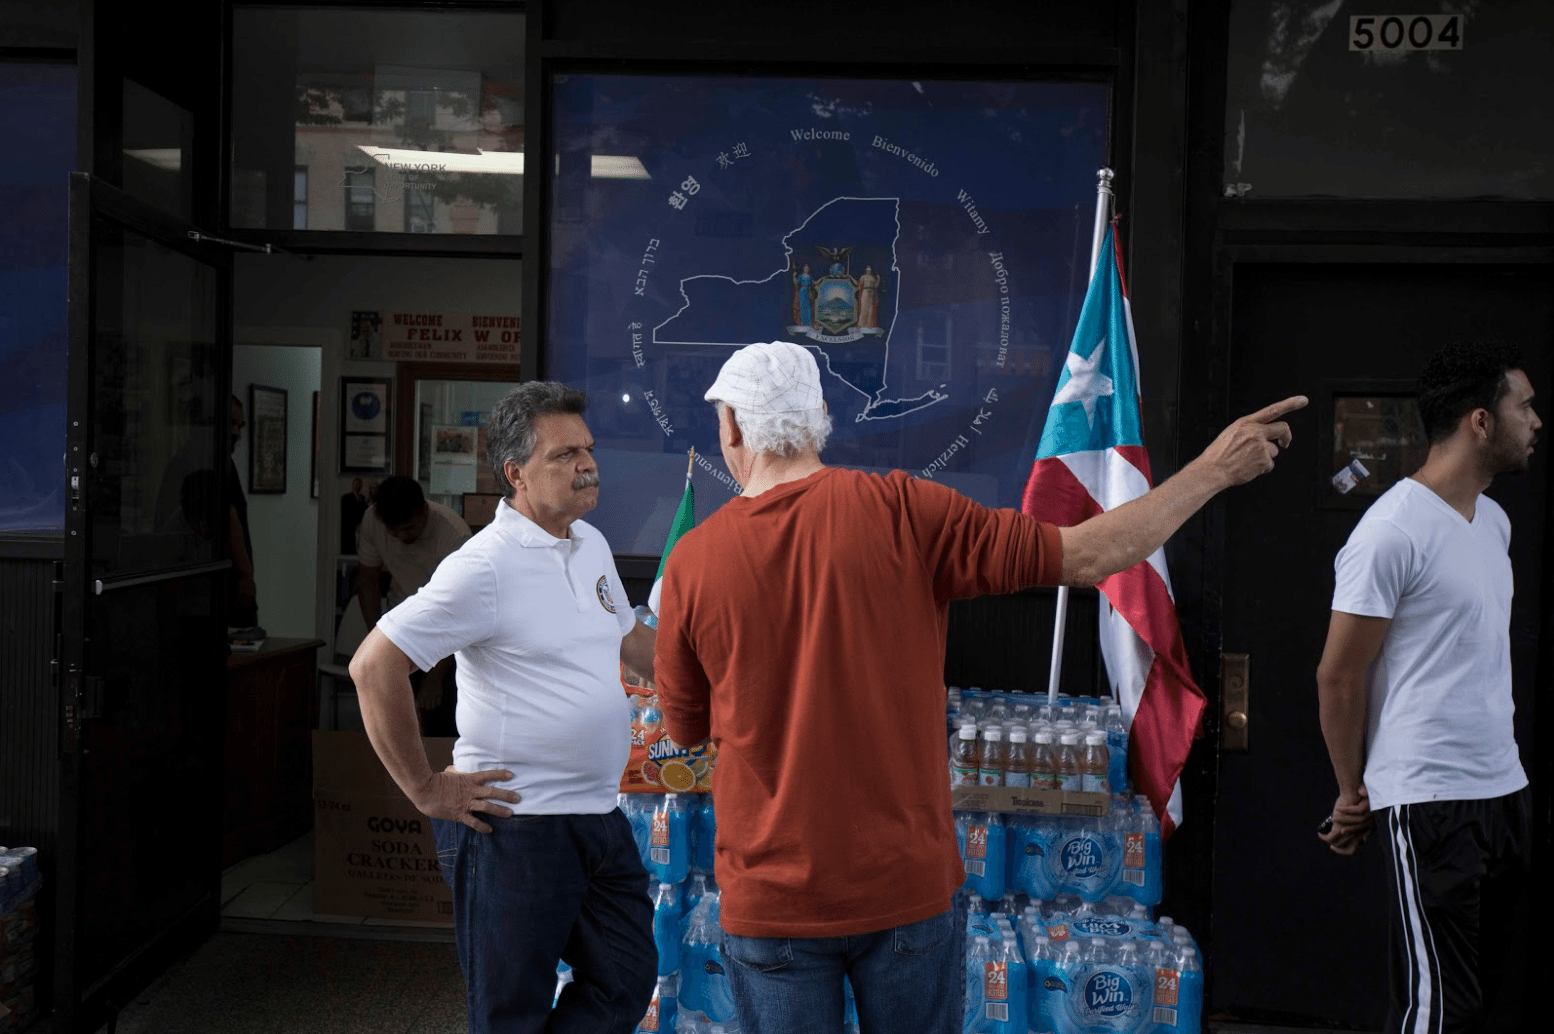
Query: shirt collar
point(532, 535)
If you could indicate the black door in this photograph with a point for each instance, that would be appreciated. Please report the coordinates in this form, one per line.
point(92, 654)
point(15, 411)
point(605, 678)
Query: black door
point(143, 616)
point(1298, 932)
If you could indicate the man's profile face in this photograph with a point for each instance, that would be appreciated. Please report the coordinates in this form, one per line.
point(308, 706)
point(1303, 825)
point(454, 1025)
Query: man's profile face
point(412, 527)
point(1516, 425)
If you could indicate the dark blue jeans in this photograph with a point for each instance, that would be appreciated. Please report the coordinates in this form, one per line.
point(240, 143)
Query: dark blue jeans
point(907, 978)
point(543, 888)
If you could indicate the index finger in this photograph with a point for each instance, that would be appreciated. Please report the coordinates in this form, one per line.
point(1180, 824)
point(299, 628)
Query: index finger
point(1278, 409)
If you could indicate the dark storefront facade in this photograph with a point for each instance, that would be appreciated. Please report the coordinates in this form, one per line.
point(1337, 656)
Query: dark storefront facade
point(1310, 202)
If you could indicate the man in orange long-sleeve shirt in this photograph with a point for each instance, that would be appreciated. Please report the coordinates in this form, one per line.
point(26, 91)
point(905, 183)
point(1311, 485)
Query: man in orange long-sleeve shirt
point(803, 628)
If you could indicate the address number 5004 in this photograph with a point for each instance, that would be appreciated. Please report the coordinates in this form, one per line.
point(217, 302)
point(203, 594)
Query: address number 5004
point(1405, 32)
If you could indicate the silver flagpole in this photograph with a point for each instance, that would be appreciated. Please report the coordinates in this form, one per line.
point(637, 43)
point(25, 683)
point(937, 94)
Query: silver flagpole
point(1103, 211)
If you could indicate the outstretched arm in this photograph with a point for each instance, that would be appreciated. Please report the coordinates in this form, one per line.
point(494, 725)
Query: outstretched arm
point(1117, 539)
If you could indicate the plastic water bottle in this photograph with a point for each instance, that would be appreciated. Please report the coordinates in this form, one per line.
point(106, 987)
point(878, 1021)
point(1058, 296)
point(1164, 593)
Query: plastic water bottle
point(702, 965)
point(987, 989)
point(669, 857)
point(705, 826)
point(993, 758)
point(666, 928)
point(662, 1007)
point(638, 809)
point(1041, 961)
point(965, 756)
point(1093, 764)
point(985, 857)
point(1189, 992)
point(563, 978)
point(1116, 747)
point(1018, 763)
point(1017, 982)
point(697, 887)
point(1069, 775)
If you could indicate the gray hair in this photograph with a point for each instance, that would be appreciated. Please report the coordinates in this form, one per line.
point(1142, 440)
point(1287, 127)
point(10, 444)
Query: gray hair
point(511, 435)
point(783, 434)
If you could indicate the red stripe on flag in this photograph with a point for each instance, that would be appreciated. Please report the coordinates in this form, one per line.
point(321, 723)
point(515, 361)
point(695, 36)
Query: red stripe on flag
point(1054, 494)
point(1160, 739)
point(1139, 457)
point(1170, 711)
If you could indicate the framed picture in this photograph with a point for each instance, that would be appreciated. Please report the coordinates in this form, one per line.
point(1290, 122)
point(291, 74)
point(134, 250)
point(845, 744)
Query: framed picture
point(480, 508)
point(266, 440)
point(364, 424)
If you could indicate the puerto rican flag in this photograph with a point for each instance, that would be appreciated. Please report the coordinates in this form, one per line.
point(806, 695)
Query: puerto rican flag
point(1091, 458)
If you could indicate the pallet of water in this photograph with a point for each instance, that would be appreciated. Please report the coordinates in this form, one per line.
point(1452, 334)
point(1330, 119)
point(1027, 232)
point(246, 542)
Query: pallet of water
point(1093, 857)
point(1067, 966)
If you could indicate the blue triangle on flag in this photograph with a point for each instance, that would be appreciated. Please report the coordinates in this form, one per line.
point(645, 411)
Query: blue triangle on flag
point(1096, 405)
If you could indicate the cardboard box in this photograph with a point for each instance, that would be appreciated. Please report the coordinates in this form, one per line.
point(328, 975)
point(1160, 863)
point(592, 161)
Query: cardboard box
point(373, 853)
point(1029, 802)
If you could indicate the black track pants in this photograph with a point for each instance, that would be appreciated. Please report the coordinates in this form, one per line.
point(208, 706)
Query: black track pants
point(1456, 870)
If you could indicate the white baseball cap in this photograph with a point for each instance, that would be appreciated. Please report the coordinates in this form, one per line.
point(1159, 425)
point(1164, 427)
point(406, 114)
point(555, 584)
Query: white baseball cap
point(768, 378)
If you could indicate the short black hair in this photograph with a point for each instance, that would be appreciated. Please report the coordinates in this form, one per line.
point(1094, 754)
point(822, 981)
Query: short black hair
point(399, 498)
point(511, 434)
point(1462, 377)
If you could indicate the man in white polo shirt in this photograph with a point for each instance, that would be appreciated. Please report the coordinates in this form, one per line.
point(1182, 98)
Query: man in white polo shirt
point(1415, 694)
point(542, 863)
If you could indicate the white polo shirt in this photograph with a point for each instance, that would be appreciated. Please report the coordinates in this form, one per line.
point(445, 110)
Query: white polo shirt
point(1440, 709)
point(536, 623)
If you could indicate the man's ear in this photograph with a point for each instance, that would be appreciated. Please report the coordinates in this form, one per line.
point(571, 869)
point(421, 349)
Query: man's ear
point(736, 437)
point(514, 474)
point(1482, 422)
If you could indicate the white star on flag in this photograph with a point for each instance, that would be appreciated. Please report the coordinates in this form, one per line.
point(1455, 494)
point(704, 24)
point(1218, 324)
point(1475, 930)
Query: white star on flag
point(1086, 383)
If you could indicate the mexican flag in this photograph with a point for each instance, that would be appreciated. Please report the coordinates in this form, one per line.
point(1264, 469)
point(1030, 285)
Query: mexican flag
point(684, 521)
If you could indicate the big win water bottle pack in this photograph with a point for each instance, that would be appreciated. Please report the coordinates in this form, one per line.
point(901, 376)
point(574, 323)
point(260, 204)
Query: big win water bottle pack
point(1060, 932)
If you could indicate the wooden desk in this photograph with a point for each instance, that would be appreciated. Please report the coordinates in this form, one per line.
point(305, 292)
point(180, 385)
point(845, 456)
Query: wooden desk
point(272, 709)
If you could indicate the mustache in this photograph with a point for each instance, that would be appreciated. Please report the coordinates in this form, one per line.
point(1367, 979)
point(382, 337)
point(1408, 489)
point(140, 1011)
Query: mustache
point(589, 480)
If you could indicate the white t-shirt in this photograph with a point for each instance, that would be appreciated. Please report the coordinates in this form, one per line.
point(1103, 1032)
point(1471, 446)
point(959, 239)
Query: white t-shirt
point(1439, 724)
point(536, 623)
point(410, 565)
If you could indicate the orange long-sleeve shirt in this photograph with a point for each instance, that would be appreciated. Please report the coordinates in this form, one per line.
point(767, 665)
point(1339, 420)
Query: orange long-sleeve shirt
point(804, 630)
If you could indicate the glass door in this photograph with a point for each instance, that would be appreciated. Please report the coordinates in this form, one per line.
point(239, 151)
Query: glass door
point(149, 522)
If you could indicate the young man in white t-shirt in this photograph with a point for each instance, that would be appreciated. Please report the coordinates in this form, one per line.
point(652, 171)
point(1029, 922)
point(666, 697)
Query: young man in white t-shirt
point(543, 865)
point(1415, 692)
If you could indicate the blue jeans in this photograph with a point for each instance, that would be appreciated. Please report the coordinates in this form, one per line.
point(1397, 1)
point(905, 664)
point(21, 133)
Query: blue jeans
point(543, 888)
point(907, 978)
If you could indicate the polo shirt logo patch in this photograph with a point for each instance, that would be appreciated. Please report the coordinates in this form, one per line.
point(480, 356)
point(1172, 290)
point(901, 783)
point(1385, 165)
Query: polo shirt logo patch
point(602, 588)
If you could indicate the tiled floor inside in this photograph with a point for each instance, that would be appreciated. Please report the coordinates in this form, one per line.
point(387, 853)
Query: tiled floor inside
point(278, 967)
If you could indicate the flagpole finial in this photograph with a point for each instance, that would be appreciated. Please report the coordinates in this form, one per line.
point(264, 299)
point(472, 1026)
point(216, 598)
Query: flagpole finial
point(690, 464)
point(1104, 178)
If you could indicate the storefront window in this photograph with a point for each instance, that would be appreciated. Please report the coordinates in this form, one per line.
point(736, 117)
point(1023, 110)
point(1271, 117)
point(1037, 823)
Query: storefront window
point(38, 123)
point(389, 120)
point(1326, 100)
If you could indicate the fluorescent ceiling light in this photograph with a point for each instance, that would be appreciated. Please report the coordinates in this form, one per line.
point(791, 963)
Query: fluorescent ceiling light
point(505, 163)
point(169, 158)
point(618, 167)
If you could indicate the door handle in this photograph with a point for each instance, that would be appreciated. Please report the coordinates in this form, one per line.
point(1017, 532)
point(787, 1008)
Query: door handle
point(1235, 701)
